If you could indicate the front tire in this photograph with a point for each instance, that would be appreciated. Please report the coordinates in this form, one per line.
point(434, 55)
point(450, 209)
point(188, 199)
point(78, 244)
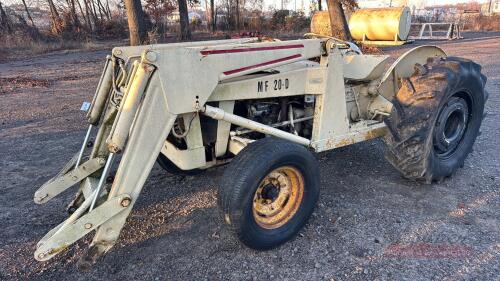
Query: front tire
point(436, 118)
point(268, 192)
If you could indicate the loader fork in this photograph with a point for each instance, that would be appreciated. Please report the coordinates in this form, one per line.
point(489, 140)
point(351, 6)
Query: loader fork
point(143, 122)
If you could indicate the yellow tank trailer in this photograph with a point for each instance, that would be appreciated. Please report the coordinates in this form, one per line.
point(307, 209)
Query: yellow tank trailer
point(378, 26)
point(381, 24)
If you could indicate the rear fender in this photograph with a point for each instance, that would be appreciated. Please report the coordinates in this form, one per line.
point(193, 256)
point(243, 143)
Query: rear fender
point(403, 67)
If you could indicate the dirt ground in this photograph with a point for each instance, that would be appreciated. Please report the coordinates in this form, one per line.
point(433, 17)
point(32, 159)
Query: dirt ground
point(370, 223)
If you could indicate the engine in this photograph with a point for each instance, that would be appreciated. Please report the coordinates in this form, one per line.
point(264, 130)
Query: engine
point(292, 114)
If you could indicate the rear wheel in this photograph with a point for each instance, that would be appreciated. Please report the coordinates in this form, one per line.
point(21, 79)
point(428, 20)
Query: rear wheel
point(268, 192)
point(436, 118)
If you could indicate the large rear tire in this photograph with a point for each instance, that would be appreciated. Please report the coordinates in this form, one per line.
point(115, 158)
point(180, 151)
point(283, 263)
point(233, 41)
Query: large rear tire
point(268, 192)
point(436, 118)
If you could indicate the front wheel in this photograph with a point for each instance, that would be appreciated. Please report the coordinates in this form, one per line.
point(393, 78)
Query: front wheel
point(436, 118)
point(268, 192)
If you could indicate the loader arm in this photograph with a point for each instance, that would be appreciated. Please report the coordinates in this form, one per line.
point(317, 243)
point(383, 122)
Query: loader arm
point(141, 93)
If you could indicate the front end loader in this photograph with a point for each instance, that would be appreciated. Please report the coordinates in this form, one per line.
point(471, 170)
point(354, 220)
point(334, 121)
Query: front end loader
point(261, 107)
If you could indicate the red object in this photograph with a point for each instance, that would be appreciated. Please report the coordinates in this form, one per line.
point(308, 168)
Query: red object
point(243, 50)
point(229, 72)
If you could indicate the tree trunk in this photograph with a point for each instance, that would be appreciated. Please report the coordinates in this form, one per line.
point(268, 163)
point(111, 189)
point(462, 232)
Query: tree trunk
point(104, 11)
point(107, 7)
point(86, 19)
point(207, 15)
point(238, 15)
point(28, 13)
point(320, 8)
point(212, 15)
point(101, 17)
point(88, 13)
point(4, 20)
point(184, 20)
point(340, 28)
point(74, 16)
point(54, 16)
point(94, 14)
point(136, 24)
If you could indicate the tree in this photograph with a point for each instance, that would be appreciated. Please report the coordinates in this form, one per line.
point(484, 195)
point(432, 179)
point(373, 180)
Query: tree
point(28, 13)
point(212, 15)
point(4, 20)
point(319, 5)
point(85, 17)
point(338, 21)
point(136, 23)
point(158, 10)
point(184, 20)
point(56, 22)
point(72, 12)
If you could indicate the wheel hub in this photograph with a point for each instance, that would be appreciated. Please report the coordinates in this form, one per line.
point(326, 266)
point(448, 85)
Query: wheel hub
point(270, 192)
point(451, 125)
point(278, 197)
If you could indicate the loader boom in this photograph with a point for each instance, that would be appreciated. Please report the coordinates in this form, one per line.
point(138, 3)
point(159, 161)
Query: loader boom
point(313, 92)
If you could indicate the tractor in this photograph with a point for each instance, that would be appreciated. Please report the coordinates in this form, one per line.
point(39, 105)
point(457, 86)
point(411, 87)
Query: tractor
point(260, 107)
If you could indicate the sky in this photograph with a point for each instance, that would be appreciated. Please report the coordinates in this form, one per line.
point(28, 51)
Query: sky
point(362, 3)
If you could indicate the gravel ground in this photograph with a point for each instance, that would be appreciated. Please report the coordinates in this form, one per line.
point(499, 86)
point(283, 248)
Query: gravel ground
point(370, 223)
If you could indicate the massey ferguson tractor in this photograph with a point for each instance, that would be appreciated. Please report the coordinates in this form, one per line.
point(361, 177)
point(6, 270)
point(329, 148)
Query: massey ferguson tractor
point(260, 107)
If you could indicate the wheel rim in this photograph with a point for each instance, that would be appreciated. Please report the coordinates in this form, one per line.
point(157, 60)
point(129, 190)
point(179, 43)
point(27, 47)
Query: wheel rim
point(451, 126)
point(278, 197)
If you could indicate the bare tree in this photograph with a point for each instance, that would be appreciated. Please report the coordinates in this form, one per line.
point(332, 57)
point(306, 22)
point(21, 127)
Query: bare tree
point(72, 12)
point(4, 20)
point(102, 10)
point(237, 15)
point(184, 20)
point(338, 21)
point(56, 22)
point(136, 24)
point(107, 7)
point(93, 12)
point(85, 16)
point(28, 13)
point(89, 14)
point(212, 15)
